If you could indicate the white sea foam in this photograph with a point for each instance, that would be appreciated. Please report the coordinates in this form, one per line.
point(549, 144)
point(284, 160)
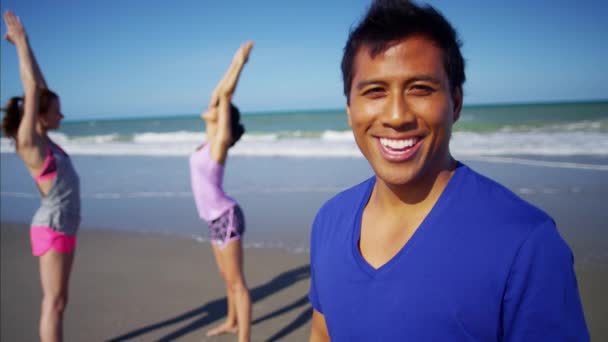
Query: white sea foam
point(345, 136)
point(578, 126)
point(169, 138)
point(95, 139)
point(330, 144)
point(533, 143)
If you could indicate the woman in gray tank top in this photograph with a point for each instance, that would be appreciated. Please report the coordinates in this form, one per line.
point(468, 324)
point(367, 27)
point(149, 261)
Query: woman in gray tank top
point(55, 224)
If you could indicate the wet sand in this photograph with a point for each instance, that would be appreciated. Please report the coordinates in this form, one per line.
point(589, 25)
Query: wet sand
point(136, 287)
point(162, 283)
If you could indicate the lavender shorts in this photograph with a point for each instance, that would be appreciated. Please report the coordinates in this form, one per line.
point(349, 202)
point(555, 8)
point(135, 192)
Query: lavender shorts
point(228, 227)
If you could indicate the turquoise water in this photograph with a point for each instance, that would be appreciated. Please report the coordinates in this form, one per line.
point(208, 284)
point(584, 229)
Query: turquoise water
point(590, 116)
point(554, 153)
point(549, 129)
point(478, 118)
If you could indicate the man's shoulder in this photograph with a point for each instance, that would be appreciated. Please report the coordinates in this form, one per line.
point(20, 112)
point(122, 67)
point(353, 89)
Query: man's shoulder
point(347, 201)
point(487, 197)
point(335, 220)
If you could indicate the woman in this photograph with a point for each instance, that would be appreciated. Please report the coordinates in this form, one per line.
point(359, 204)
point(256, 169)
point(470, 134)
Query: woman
point(222, 214)
point(27, 121)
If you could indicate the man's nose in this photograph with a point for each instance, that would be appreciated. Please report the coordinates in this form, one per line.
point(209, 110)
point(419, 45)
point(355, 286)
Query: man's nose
point(399, 114)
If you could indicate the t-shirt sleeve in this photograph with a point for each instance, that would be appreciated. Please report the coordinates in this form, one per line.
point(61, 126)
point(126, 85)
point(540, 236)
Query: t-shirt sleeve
point(312, 293)
point(541, 301)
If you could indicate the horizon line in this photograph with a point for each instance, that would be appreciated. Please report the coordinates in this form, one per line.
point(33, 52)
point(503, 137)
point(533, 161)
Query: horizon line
point(315, 110)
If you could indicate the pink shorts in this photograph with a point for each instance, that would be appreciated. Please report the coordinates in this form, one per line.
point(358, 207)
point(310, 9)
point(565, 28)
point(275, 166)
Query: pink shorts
point(45, 238)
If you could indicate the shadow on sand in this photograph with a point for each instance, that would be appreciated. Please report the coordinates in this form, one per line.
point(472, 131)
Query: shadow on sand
point(216, 309)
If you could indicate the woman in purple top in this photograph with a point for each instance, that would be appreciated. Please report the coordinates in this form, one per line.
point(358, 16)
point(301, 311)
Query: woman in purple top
point(222, 214)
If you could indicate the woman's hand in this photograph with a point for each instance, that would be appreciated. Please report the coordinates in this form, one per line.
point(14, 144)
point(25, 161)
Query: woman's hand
point(227, 85)
point(31, 75)
point(31, 145)
point(242, 54)
point(218, 112)
point(15, 33)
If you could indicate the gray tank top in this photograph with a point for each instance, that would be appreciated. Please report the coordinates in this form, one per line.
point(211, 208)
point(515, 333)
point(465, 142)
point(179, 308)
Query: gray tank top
point(60, 209)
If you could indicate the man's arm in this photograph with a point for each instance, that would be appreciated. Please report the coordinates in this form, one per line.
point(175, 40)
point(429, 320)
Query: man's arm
point(318, 330)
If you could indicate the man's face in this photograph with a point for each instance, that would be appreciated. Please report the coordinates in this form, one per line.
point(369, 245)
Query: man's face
point(401, 110)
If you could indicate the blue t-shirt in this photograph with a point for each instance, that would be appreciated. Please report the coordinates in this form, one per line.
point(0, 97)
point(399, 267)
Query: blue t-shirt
point(484, 265)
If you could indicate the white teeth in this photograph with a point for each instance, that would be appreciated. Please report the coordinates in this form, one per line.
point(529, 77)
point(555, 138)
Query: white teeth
point(398, 144)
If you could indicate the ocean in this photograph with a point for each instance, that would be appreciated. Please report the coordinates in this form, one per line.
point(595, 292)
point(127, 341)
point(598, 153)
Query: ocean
point(135, 174)
point(551, 129)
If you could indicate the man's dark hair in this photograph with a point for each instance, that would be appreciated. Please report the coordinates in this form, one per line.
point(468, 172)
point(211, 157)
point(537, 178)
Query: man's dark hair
point(387, 21)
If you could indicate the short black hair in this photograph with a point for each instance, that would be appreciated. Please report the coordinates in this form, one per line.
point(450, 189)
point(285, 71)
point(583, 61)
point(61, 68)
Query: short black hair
point(387, 21)
point(236, 128)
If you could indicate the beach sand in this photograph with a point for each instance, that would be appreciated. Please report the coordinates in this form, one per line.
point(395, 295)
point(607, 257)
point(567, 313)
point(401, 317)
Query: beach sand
point(150, 287)
point(143, 277)
point(147, 287)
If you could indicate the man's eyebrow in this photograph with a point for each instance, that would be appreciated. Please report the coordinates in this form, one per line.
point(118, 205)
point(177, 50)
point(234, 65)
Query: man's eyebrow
point(422, 77)
point(362, 84)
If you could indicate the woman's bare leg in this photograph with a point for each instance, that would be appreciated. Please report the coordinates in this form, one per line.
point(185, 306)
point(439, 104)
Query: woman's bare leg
point(230, 325)
point(232, 262)
point(55, 270)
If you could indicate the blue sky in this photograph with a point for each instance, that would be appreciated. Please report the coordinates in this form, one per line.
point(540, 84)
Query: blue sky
point(146, 58)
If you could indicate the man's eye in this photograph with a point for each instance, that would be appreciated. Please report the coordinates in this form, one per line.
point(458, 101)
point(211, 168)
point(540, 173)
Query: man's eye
point(420, 89)
point(373, 91)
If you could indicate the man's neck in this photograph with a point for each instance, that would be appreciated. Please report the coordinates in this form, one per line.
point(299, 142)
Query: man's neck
point(419, 193)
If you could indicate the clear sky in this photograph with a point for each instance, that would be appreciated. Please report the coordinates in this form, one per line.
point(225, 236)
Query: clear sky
point(127, 58)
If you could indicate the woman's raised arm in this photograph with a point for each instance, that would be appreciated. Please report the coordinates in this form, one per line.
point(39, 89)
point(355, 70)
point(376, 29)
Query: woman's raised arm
point(224, 93)
point(30, 144)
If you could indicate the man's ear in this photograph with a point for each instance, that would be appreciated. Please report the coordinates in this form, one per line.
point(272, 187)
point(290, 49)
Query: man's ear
point(350, 123)
point(457, 103)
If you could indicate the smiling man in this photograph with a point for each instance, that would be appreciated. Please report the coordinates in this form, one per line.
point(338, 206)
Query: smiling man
point(428, 249)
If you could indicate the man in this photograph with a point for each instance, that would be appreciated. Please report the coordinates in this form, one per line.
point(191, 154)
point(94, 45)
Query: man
point(427, 249)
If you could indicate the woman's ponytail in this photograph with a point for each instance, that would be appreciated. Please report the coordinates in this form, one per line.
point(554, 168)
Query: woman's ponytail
point(13, 112)
point(12, 117)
